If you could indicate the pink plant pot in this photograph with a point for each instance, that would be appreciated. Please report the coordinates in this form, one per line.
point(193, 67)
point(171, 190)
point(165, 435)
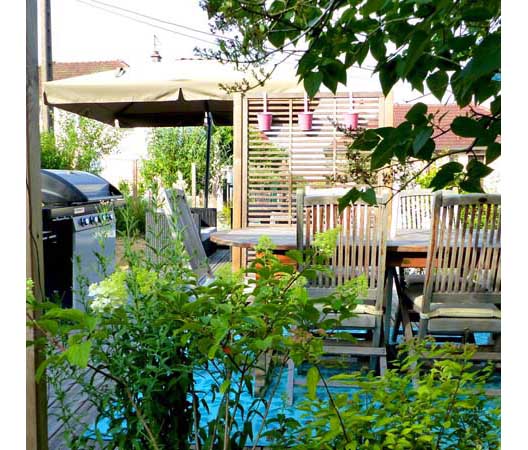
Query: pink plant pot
point(264, 121)
point(305, 121)
point(351, 120)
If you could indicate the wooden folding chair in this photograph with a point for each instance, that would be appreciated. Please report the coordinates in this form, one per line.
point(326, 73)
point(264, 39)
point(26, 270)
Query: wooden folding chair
point(462, 289)
point(361, 250)
point(170, 216)
point(414, 210)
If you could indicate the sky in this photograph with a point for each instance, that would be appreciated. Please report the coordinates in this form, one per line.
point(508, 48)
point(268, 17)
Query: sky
point(86, 29)
point(91, 30)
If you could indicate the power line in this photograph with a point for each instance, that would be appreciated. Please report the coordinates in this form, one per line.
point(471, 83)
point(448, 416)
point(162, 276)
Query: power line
point(108, 5)
point(166, 22)
point(146, 23)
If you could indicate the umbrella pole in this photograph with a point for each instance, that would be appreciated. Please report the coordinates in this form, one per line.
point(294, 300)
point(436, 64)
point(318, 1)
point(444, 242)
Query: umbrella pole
point(207, 159)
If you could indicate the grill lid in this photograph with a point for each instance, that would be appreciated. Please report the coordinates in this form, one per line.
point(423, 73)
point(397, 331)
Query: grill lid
point(71, 187)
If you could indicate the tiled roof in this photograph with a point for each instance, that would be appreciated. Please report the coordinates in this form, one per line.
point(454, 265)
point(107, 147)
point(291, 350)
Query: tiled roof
point(63, 70)
point(448, 140)
point(74, 69)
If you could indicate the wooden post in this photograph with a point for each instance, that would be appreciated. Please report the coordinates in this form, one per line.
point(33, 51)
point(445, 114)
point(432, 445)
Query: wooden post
point(236, 253)
point(36, 402)
point(386, 119)
point(193, 184)
point(46, 69)
point(135, 178)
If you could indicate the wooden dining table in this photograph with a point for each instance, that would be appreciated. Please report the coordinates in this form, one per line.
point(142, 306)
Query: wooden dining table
point(405, 249)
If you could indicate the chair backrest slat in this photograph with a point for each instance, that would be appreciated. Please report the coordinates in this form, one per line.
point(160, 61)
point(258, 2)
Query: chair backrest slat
point(465, 249)
point(361, 241)
point(170, 216)
point(414, 210)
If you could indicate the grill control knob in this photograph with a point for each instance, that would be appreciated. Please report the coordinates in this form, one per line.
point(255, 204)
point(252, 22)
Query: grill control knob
point(92, 219)
point(81, 222)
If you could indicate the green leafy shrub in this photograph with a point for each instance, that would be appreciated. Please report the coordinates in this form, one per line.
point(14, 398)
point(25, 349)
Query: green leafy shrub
point(131, 217)
point(173, 150)
point(152, 327)
point(78, 144)
point(419, 404)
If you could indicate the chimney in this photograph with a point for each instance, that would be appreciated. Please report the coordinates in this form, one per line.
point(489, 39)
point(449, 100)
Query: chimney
point(155, 57)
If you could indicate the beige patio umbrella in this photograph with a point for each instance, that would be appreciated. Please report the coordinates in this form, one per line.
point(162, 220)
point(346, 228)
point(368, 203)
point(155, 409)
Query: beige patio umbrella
point(160, 94)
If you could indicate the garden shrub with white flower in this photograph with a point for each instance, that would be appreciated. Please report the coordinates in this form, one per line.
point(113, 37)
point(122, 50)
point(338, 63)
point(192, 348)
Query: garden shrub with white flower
point(151, 329)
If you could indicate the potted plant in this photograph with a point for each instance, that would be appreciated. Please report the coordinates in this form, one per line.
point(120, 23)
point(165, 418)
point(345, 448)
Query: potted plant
point(264, 118)
point(306, 117)
point(350, 117)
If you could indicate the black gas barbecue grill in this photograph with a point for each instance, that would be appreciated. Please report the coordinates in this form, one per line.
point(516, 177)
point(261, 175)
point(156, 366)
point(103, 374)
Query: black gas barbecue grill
point(77, 217)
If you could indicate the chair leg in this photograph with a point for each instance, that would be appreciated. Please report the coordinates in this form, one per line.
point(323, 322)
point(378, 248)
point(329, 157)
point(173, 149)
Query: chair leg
point(290, 382)
point(388, 304)
point(383, 365)
point(406, 322)
point(422, 328)
point(376, 341)
point(497, 343)
point(397, 323)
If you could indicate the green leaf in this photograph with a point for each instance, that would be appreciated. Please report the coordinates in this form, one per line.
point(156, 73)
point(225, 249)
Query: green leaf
point(471, 185)
point(369, 196)
point(426, 152)
point(476, 169)
point(461, 43)
point(493, 152)
point(437, 83)
point(73, 315)
point(496, 106)
point(333, 71)
point(419, 42)
point(212, 351)
point(400, 151)
point(416, 114)
point(312, 378)
point(466, 127)
point(52, 326)
point(421, 138)
point(377, 46)
point(312, 82)
point(362, 52)
point(372, 6)
point(445, 175)
point(277, 38)
point(42, 368)
point(486, 59)
point(225, 386)
point(366, 141)
point(381, 155)
point(477, 14)
point(78, 354)
point(388, 76)
point(277, 7)
point(350, 197)
point(295, 254)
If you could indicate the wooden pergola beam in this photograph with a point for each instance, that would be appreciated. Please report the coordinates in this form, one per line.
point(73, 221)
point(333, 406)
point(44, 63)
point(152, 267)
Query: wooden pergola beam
point(36, 401)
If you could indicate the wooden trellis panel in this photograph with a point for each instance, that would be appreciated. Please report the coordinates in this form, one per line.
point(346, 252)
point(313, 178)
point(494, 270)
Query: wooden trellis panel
point(285, 158)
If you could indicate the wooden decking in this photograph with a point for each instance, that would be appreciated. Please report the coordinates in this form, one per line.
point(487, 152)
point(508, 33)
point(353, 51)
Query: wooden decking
point(84, 412)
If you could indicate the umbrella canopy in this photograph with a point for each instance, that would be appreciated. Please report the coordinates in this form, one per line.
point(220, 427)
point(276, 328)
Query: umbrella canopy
point(160, 94)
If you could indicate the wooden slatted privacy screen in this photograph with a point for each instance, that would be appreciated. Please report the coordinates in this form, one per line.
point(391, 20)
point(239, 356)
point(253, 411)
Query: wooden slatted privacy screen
point(281, 160)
